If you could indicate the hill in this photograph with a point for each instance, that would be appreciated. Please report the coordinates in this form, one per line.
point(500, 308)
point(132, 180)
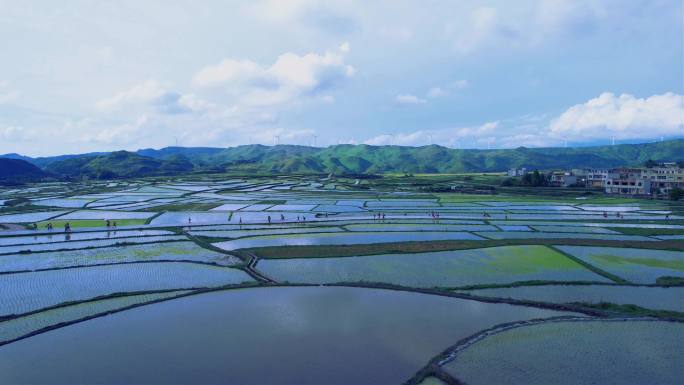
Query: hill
point(353, 159)
point(119, 164)
point(18, 170)
point(434, 159)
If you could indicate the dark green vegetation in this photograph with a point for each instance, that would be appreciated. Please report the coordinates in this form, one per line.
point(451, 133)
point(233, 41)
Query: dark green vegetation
point(633, 310)
point(646, 231)
point(322, 251)
point(119, 164)
point(670, 281)
point(17, 170)
point(352, 159)
point(676, 194)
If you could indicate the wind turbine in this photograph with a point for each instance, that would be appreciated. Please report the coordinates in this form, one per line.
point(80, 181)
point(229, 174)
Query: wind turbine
point(314, 140)
point(391, 140)
point(276, 139)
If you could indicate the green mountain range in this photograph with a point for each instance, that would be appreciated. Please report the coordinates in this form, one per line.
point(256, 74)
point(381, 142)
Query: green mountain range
point(350, 159)
point(119, 164)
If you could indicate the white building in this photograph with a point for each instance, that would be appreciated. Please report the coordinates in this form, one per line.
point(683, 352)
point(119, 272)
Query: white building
point(627, 181)
point(664, 178)
point(595, 177)
point(517, 171)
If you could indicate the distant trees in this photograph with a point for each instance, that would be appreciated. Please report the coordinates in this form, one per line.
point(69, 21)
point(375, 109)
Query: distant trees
point(106, 174)
point(650, 163)
point(535, 179)
point(17, 202)
point(676, 194)
point(531, 179)
point(509, 182)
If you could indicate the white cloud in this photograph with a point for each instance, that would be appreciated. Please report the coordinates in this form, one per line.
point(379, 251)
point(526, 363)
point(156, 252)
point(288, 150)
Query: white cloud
point(529, 24)
point(436, 92)
point(567, 16)
point(482, 26)
point(119, 135)
point(7, 95)
point(460, 84)
point(289, 78)
point(229, 70)
point(145, 92)
point(401, 34)
point(525, 139)
point(151, 94)
point(280, 11)
point(314, 15)
point(450, 137)
point(624, 116)
point(244, 110)
point(14, 133)
point(439, 91)
point(409, 99)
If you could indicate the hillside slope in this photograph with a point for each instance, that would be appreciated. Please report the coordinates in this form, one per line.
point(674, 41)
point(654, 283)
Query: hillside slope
point(436, 159)
point(119, 164)
point(354, 159)
point(18, 170)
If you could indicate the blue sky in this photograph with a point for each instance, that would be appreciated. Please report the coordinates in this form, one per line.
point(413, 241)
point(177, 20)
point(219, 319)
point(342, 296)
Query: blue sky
point(98, 76)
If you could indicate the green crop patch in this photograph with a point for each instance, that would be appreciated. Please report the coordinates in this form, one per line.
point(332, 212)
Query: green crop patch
point(634, 265)
point(82, 223)
point(438, 269)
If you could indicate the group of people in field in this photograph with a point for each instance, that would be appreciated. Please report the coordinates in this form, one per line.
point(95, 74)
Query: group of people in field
point(268, 218)
point(282, 218)
point(618, 215)
point(67, 225)
point(49, 226)
point(380, 216)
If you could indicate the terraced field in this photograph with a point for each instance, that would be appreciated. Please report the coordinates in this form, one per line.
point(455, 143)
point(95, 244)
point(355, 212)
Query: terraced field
point(634, 265)
point(656, 298)
point(495, 265)
point(403, 285)
point(644, 349)
point(28, 292)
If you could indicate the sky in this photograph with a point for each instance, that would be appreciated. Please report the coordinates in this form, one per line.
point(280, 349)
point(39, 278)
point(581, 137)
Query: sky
point(82, 76)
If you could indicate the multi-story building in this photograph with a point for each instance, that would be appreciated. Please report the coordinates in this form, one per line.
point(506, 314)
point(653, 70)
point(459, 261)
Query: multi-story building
point(562, 179)
point(595, 177)
point(658, 180)
point(517, 171)
point(664, 178)
point(627, 181)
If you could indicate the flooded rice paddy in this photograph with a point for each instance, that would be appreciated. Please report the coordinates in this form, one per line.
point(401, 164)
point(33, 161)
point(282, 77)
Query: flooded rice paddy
point(648, 352)
point(231, 336)
point(298, 279)
point(494, 265)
